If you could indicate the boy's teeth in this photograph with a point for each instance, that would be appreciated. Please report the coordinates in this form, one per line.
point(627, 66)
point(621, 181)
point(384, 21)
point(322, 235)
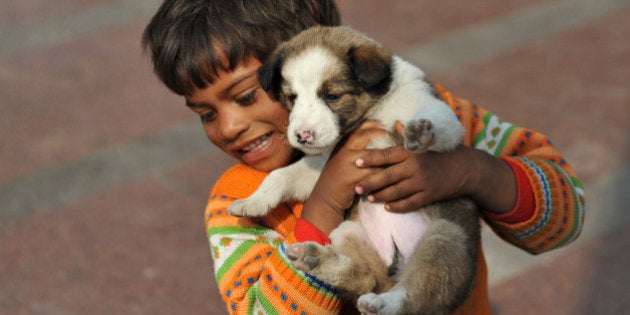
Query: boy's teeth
point(259, 143)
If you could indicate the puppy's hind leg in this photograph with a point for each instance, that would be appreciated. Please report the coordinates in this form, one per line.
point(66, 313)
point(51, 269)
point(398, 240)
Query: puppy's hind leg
point(438, 276)
point(350, 264)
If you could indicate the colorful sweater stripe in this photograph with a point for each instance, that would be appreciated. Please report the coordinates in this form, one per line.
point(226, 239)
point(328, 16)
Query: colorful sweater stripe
point(250, 264)
point(558, 195)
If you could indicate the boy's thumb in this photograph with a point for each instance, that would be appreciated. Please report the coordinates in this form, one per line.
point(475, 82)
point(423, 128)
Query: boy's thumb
point(399, 127)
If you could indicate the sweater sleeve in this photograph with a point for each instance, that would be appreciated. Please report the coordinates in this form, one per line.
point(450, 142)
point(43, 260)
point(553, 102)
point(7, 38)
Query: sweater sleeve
point(552, 216)
point(249, 255)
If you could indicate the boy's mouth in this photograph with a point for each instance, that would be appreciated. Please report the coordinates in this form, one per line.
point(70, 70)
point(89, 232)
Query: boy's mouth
point(256, 145)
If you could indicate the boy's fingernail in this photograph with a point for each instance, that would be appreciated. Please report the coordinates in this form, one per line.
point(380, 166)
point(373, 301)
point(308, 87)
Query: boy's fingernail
point(371, 198)
point(358, 190)
point(359, 162)
point(388, 208)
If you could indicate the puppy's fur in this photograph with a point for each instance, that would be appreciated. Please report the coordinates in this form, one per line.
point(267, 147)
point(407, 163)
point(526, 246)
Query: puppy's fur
point(330, 79)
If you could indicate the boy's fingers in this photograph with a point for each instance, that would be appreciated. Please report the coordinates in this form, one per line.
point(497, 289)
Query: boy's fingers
point(380, 179)
point(368, 124)
point(410, 203)
point(399, 127)
point(362, 137)
point(392, 193)
point(383, 157)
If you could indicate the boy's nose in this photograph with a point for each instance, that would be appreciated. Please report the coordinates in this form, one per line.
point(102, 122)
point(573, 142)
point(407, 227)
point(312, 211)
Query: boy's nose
point(232, 125)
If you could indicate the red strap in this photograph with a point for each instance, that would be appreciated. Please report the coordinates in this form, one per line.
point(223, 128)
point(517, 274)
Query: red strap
point(305, 231)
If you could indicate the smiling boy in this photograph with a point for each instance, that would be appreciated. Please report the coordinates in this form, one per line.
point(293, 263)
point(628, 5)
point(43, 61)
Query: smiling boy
point(209, 52)
point(241, 120)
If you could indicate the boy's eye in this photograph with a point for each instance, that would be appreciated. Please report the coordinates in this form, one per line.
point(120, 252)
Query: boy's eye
point(208, 117)
point(248, 98)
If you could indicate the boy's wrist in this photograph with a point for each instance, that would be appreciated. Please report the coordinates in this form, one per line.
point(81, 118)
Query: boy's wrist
point(321, 215)
point(525, 201)
point(492, 184)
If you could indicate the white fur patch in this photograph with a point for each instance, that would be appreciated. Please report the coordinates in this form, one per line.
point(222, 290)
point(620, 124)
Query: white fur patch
point(306, 74)
point(384, 229)
point(345, 230)
point(410, 96)
point(388, 303)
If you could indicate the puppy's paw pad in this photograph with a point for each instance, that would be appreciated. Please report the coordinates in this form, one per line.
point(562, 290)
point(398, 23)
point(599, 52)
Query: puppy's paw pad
point(419, 135)
point(370, 303)
point(306, 256)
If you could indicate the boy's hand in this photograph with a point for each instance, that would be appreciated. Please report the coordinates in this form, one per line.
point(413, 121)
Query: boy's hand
point(409, 181)
point(334, 191)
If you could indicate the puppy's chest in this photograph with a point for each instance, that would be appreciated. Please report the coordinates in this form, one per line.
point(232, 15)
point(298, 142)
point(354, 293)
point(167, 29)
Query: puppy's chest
point(389, 231)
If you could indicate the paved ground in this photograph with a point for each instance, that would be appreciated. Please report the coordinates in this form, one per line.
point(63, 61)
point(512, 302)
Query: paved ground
point(103, 173)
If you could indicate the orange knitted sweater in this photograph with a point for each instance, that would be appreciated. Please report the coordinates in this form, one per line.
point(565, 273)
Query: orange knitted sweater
point(255, 277)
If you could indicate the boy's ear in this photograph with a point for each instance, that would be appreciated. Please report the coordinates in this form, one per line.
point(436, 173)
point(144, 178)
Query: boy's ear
point(270, 74)
point(372, 66)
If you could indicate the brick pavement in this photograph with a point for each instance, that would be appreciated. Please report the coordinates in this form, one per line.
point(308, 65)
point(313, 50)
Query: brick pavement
point(103, 173)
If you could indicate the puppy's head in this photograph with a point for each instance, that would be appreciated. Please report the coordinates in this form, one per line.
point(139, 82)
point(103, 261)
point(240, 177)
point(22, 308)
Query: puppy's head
point(328, 78)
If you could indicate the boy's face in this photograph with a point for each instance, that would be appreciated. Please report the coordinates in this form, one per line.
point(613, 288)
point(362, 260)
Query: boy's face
point(242, 120)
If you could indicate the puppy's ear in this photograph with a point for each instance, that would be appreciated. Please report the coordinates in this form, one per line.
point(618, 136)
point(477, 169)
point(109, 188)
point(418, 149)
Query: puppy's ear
point(372, 66)
point(270, 73)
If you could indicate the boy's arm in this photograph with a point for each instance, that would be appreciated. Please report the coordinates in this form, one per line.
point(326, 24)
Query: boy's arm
point(251, 268)
point(550, 207)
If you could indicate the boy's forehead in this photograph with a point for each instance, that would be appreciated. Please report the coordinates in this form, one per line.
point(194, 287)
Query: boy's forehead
point(206, 65)
point(227, 81)
point(229, 78)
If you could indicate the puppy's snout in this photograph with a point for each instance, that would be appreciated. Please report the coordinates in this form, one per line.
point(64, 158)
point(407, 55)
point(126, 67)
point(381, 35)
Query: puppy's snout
point(305, 136)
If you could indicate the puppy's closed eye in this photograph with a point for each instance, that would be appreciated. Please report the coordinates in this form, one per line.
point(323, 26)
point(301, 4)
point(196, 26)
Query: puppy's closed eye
point(331, 98)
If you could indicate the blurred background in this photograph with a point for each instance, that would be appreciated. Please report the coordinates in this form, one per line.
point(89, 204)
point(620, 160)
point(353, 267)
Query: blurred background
point(104, 174)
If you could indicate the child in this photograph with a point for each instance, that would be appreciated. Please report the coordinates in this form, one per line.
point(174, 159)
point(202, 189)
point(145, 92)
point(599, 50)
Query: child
point(209, 52)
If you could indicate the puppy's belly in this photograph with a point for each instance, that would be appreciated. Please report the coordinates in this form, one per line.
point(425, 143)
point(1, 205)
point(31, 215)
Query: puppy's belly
point(385, 228)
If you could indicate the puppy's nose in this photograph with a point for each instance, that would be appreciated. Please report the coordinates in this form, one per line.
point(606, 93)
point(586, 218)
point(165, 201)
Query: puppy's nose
point(305, 136)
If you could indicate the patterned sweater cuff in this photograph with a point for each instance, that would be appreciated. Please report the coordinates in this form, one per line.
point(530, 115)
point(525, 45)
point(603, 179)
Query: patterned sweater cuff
point(525, 203)
point(305, 231)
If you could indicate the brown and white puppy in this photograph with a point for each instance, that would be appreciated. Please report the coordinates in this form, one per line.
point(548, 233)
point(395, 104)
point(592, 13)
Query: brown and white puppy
point(330, 79)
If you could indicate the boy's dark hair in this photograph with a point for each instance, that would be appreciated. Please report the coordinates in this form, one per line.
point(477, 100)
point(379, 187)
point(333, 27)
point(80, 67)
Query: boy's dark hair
point(183, 35)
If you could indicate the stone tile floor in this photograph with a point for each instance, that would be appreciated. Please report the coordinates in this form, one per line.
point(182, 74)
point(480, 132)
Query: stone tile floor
point(104, 174)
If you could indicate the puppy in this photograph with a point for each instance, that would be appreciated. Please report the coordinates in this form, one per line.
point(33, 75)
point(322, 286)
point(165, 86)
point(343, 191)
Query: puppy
point(330, 79)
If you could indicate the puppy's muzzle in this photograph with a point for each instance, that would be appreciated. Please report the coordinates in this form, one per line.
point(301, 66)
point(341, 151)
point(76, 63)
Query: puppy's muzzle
point(305, 137)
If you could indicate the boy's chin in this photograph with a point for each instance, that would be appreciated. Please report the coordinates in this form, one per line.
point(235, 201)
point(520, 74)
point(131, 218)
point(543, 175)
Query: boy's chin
point(270, 164)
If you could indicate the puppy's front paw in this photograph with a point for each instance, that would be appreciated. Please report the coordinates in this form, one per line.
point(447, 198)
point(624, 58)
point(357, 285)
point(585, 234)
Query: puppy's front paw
point(419, 135)
point(248, 207)
point(307, 256)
